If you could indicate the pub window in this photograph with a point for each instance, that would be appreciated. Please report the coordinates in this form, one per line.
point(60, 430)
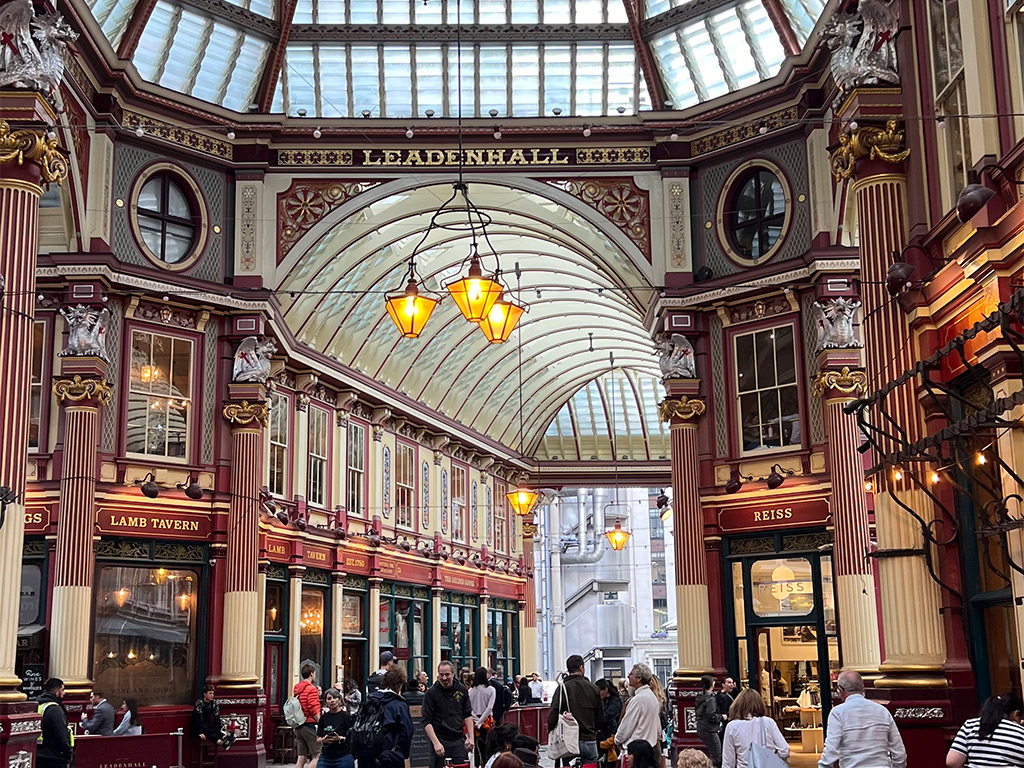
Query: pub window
point(278, 433)
point(319, 421)
point(273, 614)
point(457, 637)
point(311, 626)
point(769, 402)
point(145, 634)
point(501, 521)
point(35, 415)
point(356, 469)
point(405, 484)
point(502, 639)
point(159, 395)
point(459, 490)
point(663, 670)
point(951, 94)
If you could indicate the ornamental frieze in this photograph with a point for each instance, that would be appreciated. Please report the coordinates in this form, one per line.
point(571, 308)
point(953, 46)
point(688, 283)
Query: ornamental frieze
point(618, 199)
point(305, 203)
point(245, 413)
point(77, 389)
point(182, 137)
point(748, 130)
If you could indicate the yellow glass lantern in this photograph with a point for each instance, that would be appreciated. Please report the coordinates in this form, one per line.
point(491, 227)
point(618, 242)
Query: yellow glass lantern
point(501, 320)
point(617, 537)
point(522, 500)
point(475, 294)
point(410, 311)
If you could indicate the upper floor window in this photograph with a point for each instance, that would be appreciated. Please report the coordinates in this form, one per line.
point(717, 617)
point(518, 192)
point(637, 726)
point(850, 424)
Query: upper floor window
point(950, 94)
point(405, 484)
point(319, 444)
point(278, 432)
point(159, 395)
point(500, 521)
point(769, 402)
point(166, 219)
point(459, 491)
point(356, 469)
point(35, 414)
point(757, 213)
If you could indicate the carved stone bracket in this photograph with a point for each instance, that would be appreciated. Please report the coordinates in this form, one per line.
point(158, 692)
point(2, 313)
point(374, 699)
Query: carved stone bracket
point(681, 408)
point(845, 380)
point(301, 402)
point(871, 142)
point(245, 413)
point(77, 389)
point(35, 146)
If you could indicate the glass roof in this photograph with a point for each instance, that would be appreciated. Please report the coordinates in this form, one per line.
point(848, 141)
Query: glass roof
point(398, 58)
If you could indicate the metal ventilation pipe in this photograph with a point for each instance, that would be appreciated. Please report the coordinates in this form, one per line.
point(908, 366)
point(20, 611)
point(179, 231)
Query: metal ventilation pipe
point(592, 551)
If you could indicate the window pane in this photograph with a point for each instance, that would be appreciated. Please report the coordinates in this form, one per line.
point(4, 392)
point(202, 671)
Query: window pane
point(745, 363)
point(397, 83)
point(177, 203)
point(311, 624)
point(765, 359)
point(782, 587)
point(149, 195)
point(36, 402)
point(145, 641)
point(273, 620)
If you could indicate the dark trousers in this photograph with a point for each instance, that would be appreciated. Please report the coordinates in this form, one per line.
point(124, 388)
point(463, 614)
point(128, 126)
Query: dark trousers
point(713, 743)
point(454, 751)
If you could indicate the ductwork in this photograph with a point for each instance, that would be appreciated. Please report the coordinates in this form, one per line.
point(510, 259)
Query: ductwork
point(593, 551)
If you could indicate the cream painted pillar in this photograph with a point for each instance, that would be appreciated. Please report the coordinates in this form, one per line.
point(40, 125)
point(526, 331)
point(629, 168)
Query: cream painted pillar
point(337, 629)
point(482, 628)
point(527, 639)
point(373, 623)
point(979, 80)
point(300, 454)
point(295, 574)
point(340, 459)
point(435, 630)
point(261, 589)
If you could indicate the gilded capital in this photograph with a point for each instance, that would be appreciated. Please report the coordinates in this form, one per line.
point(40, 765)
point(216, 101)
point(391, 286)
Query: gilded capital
point(871, 142)
point(846, 381)
point(530, 530)
point(77, 389)
point(36, 146)
point(245, 413)
point(681, 408)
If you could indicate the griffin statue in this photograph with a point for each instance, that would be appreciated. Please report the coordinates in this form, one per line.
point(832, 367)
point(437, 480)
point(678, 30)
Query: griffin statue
point(863, 45)
point(33, 50)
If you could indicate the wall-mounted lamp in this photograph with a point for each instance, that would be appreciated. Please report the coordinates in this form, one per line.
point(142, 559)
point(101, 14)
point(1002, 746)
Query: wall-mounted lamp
point(191, 488)
point(975, 195)
point(148, 485)
point(736, 481)
point(778, 476)
point(665, 507)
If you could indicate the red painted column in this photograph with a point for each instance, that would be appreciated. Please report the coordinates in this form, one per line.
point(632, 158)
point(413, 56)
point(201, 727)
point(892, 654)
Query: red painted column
point(82, 390)
point(28, 159)
point(682, 410)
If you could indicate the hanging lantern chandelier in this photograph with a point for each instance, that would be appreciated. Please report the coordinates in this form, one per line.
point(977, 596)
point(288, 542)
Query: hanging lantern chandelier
point(411, 309)
point(617, 537)
point(502, 320)
point(475, 294)
point(522, 500)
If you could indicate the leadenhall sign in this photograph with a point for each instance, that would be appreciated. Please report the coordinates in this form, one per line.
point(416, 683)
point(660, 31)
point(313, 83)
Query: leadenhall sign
point(417, 158)
point(772, 514)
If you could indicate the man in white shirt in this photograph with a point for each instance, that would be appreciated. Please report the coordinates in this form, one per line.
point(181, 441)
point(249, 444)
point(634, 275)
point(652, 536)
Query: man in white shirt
point(861, 733)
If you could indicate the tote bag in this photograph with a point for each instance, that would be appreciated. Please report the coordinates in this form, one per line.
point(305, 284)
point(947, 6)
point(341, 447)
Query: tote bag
point(763, 757)
point(564, 740)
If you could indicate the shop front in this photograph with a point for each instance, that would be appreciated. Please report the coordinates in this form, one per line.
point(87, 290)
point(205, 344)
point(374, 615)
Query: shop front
point(403, 625)
point(780, 612)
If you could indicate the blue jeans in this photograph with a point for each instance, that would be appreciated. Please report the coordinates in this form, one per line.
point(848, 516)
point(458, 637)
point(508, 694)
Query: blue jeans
point(588, 751)
point(345, 761)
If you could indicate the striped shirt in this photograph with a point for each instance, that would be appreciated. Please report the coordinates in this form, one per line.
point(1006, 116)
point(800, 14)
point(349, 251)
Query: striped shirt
point(1005, 747)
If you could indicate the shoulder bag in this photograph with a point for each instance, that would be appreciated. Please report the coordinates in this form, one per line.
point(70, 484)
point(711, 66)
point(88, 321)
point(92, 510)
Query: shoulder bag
point(564, 740)
point(763, 757)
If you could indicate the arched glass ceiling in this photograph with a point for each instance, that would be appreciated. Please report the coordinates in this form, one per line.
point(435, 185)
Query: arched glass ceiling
point(564, 259)
point(396, 58)
point(621, 402)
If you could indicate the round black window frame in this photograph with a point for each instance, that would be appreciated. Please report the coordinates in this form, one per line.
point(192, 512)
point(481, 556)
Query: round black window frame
point(163, 218)
point(732, 225)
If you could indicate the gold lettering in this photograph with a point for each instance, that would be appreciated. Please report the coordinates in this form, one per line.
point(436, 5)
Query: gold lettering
point(517, 157)
point(414, 158)
point(366, 158)
point(435, 157)
point(536, 160)
point(495, 156)
point(392, 157)
point(33, 518)
point(474, 157)
point(555, 160)
point(452, 156)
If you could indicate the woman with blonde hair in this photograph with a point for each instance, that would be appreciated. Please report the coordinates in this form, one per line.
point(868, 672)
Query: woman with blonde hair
point(693, 758)
point(642, 716)
point(749, 725)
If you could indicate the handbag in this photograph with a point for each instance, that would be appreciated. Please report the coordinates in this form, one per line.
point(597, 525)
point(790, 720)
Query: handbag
point(564, 740)
point(761, 756)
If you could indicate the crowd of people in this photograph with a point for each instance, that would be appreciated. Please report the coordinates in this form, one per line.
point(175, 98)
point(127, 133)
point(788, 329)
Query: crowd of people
point(462, 716)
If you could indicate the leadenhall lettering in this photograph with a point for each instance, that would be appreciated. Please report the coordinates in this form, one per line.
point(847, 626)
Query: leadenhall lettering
point(442, 157)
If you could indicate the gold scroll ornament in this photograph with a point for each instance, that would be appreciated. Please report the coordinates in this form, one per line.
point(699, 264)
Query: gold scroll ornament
point(77, 389)
point(871, 142)
point(245, 413)
point(35, 146)
point(682, 408)
point(846, 381)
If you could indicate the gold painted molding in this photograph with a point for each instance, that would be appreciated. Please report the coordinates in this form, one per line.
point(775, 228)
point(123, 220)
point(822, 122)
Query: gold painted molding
point(245, 413)
point(846, 381)
point(35, 146)
point(77, 389)
point(682, 408)
point(868, 141)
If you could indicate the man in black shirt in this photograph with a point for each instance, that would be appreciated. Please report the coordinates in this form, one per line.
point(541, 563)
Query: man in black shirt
point(583, 700)
point(448, 718)
point(724, 698)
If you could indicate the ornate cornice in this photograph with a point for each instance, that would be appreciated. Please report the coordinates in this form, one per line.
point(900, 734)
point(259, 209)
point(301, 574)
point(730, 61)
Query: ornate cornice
point(35, 146)
point(681, 408)
point(871, 142)
point(847, 381)
point(77, 389)
point(245, 413)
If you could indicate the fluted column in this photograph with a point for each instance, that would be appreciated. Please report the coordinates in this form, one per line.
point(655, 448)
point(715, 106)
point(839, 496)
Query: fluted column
point(337, 628)
point(482, 628)
point(837, 385)
point(82, 390)
point(435, 629)
point(682, 410)
point(28, 159)
point(373, 624)
point(912, 628)
point(295, 574)
point(242, 619)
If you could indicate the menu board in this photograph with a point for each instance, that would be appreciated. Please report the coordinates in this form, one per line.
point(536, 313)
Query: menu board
point(421, 750)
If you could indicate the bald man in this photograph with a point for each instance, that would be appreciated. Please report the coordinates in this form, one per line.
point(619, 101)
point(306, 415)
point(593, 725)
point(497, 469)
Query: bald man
point(861, 733)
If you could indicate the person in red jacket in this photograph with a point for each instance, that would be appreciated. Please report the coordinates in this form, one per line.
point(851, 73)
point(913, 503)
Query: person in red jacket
point(306, 745)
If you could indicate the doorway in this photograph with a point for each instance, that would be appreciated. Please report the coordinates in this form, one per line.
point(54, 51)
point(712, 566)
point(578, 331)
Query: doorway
point(784, 622)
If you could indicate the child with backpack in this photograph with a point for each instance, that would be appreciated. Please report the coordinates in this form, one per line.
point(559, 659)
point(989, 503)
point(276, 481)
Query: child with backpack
point(382, 734)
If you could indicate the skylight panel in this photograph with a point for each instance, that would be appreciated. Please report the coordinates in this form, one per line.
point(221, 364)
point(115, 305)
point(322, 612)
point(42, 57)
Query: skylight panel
point(732, 45)
point(363, 11)
point(429, 79)
point(187, 47)
point(766, 39)
point(113, 17)
point(591, 11)
point(217, 63)
point(299, 79)
point(303, 12)
point(622, 79)
point(803, 15)
point(333, 71)
point(427, 13)
point(493, 11)
point(468, 89)
point(397, 83)
point(155, 39)
point(616, 12)
point(711, 78)
point(557, 71)
point(675, 71)
point(262, 7)
point(365, 80)
point(395, 11)
point(526, 82)
point(493, 75)
point(658, 7)
point(590, 69)
point(330, 11)
point(555, 12)
point(525, 11)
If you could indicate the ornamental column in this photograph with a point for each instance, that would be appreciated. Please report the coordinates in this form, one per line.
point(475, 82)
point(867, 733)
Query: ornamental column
point(373, 623)
point(837, 384)
point(82, 390)
point(337, 630)
point(682, 410)
point(295, 573)
point(435, 629)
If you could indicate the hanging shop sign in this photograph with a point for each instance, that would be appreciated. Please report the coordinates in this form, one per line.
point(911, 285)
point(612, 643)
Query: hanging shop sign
point(765, 515)
point(405, 572)
point(155, 525)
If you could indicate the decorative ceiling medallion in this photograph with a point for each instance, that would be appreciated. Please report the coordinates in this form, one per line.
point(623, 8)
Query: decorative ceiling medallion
point(305, 203)
point(620, 200)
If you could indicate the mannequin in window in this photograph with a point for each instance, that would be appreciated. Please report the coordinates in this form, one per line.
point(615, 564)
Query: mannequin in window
point(401, 631)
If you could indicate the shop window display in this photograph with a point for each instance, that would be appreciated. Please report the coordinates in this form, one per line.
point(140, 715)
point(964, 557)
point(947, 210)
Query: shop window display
point(145, 641)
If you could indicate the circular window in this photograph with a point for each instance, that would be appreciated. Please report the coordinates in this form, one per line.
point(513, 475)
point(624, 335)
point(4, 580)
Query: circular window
point(754, 212)
point(168, 219)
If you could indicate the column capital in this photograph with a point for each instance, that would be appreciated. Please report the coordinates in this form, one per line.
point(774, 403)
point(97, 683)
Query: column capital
point(244, 414)
point(36, 146)
point(681, 409)
point(870, 142)
point(82, 391)
point(845, 381)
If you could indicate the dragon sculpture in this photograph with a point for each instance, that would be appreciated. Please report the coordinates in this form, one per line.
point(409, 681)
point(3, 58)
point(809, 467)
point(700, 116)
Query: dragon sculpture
point(677, 361)
point(33, 50)
point(835, 323)
point(863, 45)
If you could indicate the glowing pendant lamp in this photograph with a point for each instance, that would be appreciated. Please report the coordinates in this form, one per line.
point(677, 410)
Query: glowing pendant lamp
point(410, 310)
point(501, 320)
point(617, 537)
point(522, 500)
point(475, 294)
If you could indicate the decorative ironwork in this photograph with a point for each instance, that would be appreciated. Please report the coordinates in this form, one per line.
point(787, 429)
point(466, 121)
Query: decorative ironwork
point(77, 389)
point(618, 199)
point(182, 137)
point(752, 546)
point(33, 548)
point(356, 582)
point(419, 593)
point(306, 202)
point(277, 572)
point(681, 408)
point(845, 380)
point(312, 576)
point(805, 541)
point(871, 142)
point(184, 553)
point(122, 550)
